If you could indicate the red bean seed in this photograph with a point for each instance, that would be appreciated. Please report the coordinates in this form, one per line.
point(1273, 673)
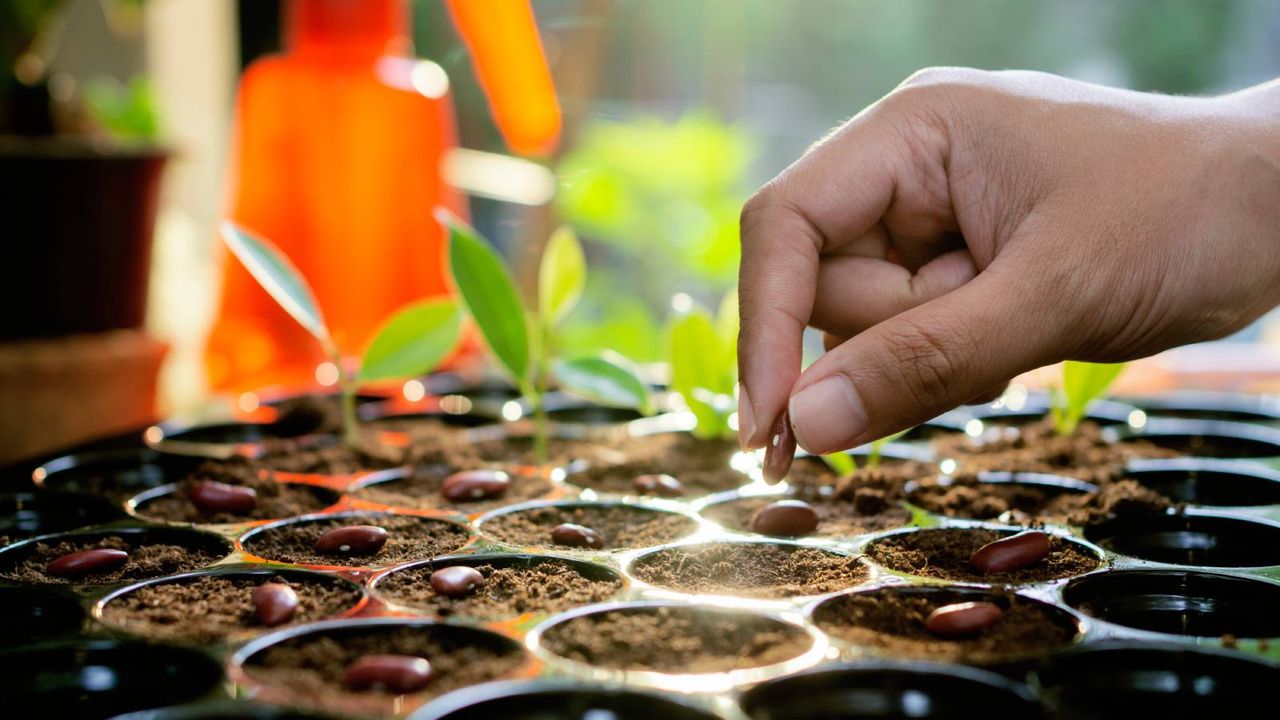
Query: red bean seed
point(211, 497)
point(393, 673)
point(659, 485)
point(780, 451)
point(1011, 553)
point(275, 603)
point(352, 540)
point(964, 618)
point(456, 581)
point(576, 536)
point(470, 485)
point(785, 518)
point(87, 561)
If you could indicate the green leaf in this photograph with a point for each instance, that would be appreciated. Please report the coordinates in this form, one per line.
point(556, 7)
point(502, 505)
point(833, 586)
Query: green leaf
point(412, 342)
point(490, 295)
point(842, 463)
point(727, 329)
point(697, 370)
point(561, 276)
point(278, 276)
point(873, 457)
point(607, 378)
point(1082, 383)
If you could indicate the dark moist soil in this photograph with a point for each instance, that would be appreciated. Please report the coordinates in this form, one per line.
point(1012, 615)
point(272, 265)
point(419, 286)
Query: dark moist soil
point(865, 501)
point(428, 442)
point(593, 448)
point(759, 570)
point(321, 412)
point(966, 497)
point(675, 640)
point(410, 538)
point(421, 491)
point(944, 554)
point(621, 526)
point(1036, 447)
point(313, 666)
point(276, 500)
point(894, 623)
point(146, 560)
point(702, 466)
point(544, 586)
point(836, 518)
point(211, 608)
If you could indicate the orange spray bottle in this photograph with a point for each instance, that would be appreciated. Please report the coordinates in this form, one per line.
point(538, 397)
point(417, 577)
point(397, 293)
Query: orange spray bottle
point(337, 159)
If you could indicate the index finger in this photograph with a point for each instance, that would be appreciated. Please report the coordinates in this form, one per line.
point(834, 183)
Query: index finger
point(836, 192)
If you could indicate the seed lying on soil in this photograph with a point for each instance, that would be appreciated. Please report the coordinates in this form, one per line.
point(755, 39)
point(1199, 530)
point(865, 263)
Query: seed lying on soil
point(275, 603)
point(87, 561)
point(1011, 553)
point(352, 540)
point(660, 485)
point(396, 673)
point(456, 581)
point(785, 518)
point(780, 451)
point(964, 618)
point(212, 496)
point(574, 535)
point(475, 485)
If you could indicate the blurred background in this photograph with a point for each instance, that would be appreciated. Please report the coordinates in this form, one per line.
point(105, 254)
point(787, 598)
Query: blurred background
point(672, 113)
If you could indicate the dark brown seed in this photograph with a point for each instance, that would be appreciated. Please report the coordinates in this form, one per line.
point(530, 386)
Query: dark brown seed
point(275, 603)
point(964, 618)
point(1011, 553)
point(393, 673)
point(780, 451)
point(785, 518)
point(660, 485)
point(352, 540)
point(211, 496)
point(574, 535)
point(87, 561)
point(456, 581)
point(470, 485)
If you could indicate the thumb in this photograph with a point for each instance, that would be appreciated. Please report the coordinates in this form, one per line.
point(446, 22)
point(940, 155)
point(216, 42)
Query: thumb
point(922, 362)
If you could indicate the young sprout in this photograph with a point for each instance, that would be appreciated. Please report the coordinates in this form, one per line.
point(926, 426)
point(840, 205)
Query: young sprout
point(702, 352)
point(409, 343)
point(522, 340)
point(1082, 383)
point(844, 464)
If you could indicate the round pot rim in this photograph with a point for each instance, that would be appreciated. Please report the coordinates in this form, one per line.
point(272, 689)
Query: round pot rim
point(466, 697)
point(100, 605)
point(146, 496)
point(1082, 623)
point(952, 524)
point(988, 678)
point(705, 681)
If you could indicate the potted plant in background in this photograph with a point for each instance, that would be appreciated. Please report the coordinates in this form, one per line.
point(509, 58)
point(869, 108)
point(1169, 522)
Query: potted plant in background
point(79, 185)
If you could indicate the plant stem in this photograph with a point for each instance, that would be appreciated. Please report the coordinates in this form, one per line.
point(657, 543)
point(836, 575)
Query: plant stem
point(347, 398)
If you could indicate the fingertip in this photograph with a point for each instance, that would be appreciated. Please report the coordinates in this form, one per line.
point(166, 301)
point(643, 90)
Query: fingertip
point(828, 415)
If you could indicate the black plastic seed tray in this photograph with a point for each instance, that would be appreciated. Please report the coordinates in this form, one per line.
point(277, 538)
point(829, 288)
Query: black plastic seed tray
point(1176, 614)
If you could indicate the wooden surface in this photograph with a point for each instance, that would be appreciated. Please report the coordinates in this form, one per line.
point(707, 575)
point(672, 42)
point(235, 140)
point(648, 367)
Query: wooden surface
point(55, 392)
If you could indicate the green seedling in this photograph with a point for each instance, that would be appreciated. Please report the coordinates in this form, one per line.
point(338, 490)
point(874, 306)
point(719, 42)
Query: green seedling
point(409, 343)
point(1082, 383)
point(522, 340)
point(702, 351)
point(844, 464)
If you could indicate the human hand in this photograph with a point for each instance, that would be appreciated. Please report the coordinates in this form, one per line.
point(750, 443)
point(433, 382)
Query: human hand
point(974, 225)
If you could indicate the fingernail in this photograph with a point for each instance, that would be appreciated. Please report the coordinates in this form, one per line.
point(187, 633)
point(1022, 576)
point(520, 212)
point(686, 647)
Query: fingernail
point(828, 415)
point(746, 418)
point(780, 450)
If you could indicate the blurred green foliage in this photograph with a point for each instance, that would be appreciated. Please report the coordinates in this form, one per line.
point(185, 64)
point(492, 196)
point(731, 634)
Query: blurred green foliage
point(127, 112)
point(663, 198)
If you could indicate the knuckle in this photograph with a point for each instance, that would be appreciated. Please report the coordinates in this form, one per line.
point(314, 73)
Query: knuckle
point(944, 76)
point(931, 360)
